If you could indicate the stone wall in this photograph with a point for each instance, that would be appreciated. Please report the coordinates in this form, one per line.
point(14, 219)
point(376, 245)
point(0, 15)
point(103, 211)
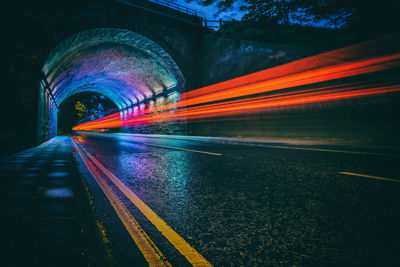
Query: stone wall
point(223, 59)
point(47, 117)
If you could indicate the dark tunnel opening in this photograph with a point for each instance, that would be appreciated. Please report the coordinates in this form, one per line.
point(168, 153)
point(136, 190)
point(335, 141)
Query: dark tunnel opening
point(82, 107)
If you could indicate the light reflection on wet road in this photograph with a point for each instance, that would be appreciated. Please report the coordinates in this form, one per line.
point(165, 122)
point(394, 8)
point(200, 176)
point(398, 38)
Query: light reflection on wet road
point(262, 206)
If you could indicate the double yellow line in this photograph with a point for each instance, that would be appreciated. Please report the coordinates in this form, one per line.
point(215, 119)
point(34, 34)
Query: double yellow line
point(149, 250)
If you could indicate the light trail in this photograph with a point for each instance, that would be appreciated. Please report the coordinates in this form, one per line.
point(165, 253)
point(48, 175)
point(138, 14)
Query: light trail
point(370, 177)
point(242, 95)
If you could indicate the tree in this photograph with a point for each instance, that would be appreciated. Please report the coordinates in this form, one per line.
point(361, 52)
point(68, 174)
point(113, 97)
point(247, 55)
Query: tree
point(325, 13)
point(80, 109)
point(96, 105)
point(271, 11)
point(354, 13)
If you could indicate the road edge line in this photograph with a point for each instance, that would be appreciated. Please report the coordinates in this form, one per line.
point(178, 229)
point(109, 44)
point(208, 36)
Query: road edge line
point(146, 246)
point(191, 254)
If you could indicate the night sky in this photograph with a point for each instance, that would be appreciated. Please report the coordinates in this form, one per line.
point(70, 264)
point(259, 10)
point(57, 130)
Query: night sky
point(212, 12)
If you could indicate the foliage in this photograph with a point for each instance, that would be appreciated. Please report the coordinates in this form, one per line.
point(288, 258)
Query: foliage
point(82, 106)
point(80, 109)
point(271, 11)
point(96, 106)
point(233, 33)
point(321, 13)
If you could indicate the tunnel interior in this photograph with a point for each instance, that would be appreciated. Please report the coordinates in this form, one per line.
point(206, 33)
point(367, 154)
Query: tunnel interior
point(126, 67)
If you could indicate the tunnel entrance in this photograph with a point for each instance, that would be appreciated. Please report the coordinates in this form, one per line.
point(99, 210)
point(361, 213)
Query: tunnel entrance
point(127, 68)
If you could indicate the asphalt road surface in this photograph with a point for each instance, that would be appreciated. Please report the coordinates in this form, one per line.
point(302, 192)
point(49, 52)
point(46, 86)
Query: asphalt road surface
point(264, 205)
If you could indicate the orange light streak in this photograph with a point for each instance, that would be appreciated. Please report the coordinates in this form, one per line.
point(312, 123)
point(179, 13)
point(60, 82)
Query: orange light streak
point(198, 104)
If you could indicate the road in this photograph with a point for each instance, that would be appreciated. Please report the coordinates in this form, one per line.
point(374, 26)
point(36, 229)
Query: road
point(266, 205)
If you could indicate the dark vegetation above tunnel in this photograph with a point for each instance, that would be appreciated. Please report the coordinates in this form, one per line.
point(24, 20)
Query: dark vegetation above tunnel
point(340, 14)
point(243, 47)
point(275, 32)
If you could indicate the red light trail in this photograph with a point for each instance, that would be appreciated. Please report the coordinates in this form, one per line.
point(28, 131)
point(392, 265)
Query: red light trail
point(242, 95)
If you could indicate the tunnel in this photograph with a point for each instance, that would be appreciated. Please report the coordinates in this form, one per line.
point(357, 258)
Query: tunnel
point(126, 67)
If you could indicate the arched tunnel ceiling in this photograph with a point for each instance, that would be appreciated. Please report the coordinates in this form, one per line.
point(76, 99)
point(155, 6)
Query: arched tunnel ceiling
point(125, 66)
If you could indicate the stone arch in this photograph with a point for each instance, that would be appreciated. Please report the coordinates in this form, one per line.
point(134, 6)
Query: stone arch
point(115, 57)
point(125, 66)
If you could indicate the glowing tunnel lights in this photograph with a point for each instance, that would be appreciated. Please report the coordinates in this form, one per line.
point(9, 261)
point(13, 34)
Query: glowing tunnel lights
point(125, 66)
point(264, 91)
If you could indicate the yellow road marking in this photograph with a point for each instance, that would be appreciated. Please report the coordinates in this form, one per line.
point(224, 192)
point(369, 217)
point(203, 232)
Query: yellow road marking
point(184, 149)
point(371, 177)
point(149, 250)
point(191, 254)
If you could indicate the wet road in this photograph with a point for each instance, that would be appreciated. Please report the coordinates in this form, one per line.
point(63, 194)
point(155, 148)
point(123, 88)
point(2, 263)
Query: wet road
point(261, 205)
